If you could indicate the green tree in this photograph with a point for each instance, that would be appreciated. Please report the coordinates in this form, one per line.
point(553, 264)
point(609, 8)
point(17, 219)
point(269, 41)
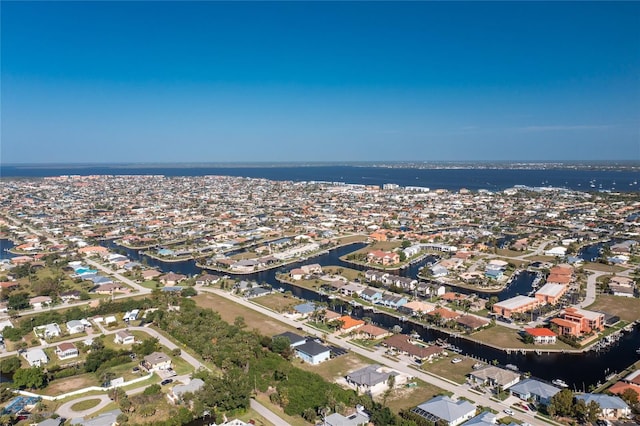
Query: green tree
point(32, 378)
point(562, 404)
point(18, 301)
point(9, 365)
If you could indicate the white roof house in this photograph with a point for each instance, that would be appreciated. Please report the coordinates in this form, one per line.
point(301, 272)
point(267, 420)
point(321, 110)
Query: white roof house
point(446, 409)
point(36, 357)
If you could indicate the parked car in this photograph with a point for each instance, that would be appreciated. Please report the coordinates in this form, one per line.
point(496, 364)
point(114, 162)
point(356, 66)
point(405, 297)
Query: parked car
point(166, 382)
point(509, 412)
point(456, 360)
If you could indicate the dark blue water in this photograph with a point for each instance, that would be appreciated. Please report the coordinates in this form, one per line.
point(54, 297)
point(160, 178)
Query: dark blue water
point(452, 179)
point(5, 246)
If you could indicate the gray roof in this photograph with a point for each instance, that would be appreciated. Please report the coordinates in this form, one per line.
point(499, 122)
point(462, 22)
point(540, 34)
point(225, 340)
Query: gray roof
point(368, 376)
point(293, 337)
point(443, 407)
point(50, 422)
point(192, 386)
point(104, 419)
point(535, 387)
point(156, 358)
point(485, 418)
point(312, 348)
point(498, 375)
point(337, 419)
point(605, 401)
point(305, 308)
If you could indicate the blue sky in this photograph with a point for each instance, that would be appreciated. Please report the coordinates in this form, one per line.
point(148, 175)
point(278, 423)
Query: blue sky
point(326, 81)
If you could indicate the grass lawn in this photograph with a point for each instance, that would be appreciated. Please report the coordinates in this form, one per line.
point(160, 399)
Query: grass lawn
point(351, 239)
point(151, 284)
point(403, 397)
point(86, 404)
point(278, 302)
point(601, 267)
point(511, 253)
point(68, 384)
point(335, 368)
point(540, 258)
point(380, 245)
point(445, 368)
point(627, 308)
point(348, 273)
point(229, 311)
point(505, 337)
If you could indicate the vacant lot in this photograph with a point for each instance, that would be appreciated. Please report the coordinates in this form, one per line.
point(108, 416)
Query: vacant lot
point(278, 302)
point(337, 367)
point(352, 239)
point(229, 311)
point(509, 338)
point(626, 308)
point(86, 404)
point(445, 368)
point(404, 397)
point(510, 253)
point(601, 267)
point(69, 384)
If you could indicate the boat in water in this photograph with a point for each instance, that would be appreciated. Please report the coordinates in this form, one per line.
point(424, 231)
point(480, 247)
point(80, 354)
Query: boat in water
point(511, 367)
point(560, 383)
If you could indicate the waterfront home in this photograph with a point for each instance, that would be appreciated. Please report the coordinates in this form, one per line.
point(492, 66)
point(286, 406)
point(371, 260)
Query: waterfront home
point(207, 279)
point(150, 274)
point(550, 293)
point(431, 289)
point(91, 250)
point(352, 289)
point(620, 387)
point(123, 337)
point(348, 324)
point(296, 274)
point(541, 335)
point(485, 418)
point(373, 275)
point(303, 310)
point(75, 327)
point(611, 407)
point(70, 295)
point(294, 339)
point(392, 301)
point(443, 314)
point(66, 350)
point(416, 307)
point(517, 304)
point(438, 271)
point(176, 393)
point(172, 279)
point(412, 250)
point(622, 286)
point(313, 268)
point(446, 410)
point(312, 352)
point(402, 344)
point(576, 322)
point(556, 251)
point(404, 283)
point(371, 294)
point(471, 322)
point(36, 357)
point(47, 331)
point(384, 258)
point(39, 302)
point(494, 377)
point(156, 361)
point(371, 380)
point(369, 331)
point(535, 390)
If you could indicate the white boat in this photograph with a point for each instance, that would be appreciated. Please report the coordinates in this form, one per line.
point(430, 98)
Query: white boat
point(512, 367)
point(559, 382)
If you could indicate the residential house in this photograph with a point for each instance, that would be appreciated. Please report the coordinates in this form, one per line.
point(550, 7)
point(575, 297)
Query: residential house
point(541, 335)
point(612, 407)
point(47, 331)
point(494, 376)
point(156, 361)
point(176, 393)
point(416, 308)
point(123, 337)
point(349, 324)
point(66, 350)
point(296, 274)
point(172, 279)
point(392, 301)
point(294, 339)
point(372, 379)
point(313, 268)
point(150, 274)
point(444, 409)
point(532, 389)
point(303, 310)
point(486, 418)
point(312, 352)
point(110, 418)
point(384, 258)
point(39, 302)
point(207, 279)
point(373, 275)
point(75, 327)
point(371, 294)
point(357, 418)
point(36, 357)
point(438, 271)
point(471, 322)
point(403, 344)
point(369, 331)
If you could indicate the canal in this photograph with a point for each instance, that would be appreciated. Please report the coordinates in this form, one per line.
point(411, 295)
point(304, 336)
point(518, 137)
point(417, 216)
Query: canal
point(579, 370)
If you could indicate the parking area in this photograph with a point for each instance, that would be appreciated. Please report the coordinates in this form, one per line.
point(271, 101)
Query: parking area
point(337, 351)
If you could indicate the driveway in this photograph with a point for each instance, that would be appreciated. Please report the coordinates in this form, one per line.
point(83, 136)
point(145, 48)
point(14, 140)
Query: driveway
point(65, 409)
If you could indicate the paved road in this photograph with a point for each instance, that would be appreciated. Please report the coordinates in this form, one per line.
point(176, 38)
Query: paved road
point(136, 286)
point(267, 414)
point(458, 390)
point(592, 286)
point(65, 409)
